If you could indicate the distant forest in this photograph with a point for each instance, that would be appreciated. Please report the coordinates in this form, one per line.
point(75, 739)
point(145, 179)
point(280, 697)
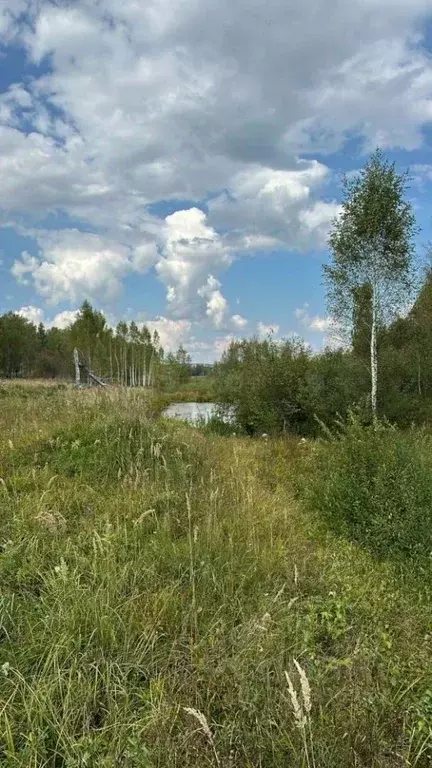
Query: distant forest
point(128, 355)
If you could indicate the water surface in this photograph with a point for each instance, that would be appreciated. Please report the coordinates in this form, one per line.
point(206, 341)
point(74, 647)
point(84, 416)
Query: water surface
point(195, 413)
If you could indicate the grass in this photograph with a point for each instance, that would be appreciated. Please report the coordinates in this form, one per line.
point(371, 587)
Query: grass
point(160, 586)
point(373, 484)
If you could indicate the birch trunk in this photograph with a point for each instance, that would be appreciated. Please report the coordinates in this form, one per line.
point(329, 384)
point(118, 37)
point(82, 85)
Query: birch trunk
point(77, 368)
point(111, 361)
point(150, 372)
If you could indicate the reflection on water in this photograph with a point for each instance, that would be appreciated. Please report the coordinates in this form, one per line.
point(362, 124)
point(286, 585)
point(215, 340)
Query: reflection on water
point(195, 413)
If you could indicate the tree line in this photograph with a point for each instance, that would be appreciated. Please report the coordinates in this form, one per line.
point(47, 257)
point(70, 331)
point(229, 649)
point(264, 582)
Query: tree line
point(381, 309)
point(129, 355)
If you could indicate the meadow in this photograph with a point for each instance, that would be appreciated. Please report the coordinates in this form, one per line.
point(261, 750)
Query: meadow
point(170, 597)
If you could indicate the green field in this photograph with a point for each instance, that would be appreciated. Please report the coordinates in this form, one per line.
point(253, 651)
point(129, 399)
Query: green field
point(158, 582)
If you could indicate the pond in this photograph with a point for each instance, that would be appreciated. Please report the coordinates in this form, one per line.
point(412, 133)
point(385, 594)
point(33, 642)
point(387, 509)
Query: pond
point(195, 413)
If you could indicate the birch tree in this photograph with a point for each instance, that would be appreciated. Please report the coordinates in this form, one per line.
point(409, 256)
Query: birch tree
point(372, 247)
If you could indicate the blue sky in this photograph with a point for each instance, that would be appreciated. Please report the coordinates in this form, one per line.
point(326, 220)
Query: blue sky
point(179, 161)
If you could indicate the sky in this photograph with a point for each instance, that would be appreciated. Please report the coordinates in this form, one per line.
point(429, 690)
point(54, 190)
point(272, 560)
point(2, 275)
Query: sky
point(179, 162)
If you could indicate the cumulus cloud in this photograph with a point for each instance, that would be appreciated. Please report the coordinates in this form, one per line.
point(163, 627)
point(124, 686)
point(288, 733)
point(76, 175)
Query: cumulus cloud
point(421, 173)
point(74, 264)
point(64, 319)
point(10, 11)
point(192, 251)
point(36, 315)
point(314, 323)
point(215, 103)
point(267, 209)
point(171, 333)
point(216, 304)
point(239, 322)
point(211, 351)
point(329, 330)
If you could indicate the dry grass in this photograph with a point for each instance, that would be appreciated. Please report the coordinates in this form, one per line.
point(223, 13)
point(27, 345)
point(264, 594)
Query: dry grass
point(34, 383)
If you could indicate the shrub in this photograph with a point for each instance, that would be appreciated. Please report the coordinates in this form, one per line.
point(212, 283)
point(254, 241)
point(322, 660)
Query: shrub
point(374, 484)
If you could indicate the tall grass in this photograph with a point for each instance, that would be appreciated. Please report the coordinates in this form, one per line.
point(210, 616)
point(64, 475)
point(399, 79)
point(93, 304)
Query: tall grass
point(374, 484)
point(156, 585)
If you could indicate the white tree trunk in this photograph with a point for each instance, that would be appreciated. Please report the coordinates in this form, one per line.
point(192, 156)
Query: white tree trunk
point(374, 358)
point(77, 368)
point(150, 372)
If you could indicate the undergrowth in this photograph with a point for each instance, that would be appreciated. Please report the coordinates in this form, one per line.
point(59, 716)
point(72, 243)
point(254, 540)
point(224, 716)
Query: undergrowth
point(374, 484)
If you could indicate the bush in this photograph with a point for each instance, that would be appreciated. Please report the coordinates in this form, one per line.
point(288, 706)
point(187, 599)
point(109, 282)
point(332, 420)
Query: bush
point(279, 386)
point(374, 484)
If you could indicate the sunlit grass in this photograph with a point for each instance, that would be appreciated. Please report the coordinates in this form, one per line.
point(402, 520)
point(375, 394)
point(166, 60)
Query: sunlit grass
point(157, 584)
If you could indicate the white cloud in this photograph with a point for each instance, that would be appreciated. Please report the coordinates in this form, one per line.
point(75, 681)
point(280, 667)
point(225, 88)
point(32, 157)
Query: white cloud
point(10, 11)
point(268, 209)
point(36, 315)
point(73, 265)
point(211, 351)
point(421, 173)
point(172, 333)
point(167, 99)
point(144, 256)
point(209, 103)
point(191, 252)
point(267, 330)
point(64, 319)
point(238, 321)
point(217, 305)
point(189, 334)
point(314, 323)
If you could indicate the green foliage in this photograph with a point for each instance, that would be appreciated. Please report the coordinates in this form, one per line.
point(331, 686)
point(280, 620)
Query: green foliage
point(370, 276)
point(372, 240)
point(281, 387)
point(129, 356)
point(264, 381)
point(176, 370)
point(188, 580)
point(18, 341)
point(374, 484)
